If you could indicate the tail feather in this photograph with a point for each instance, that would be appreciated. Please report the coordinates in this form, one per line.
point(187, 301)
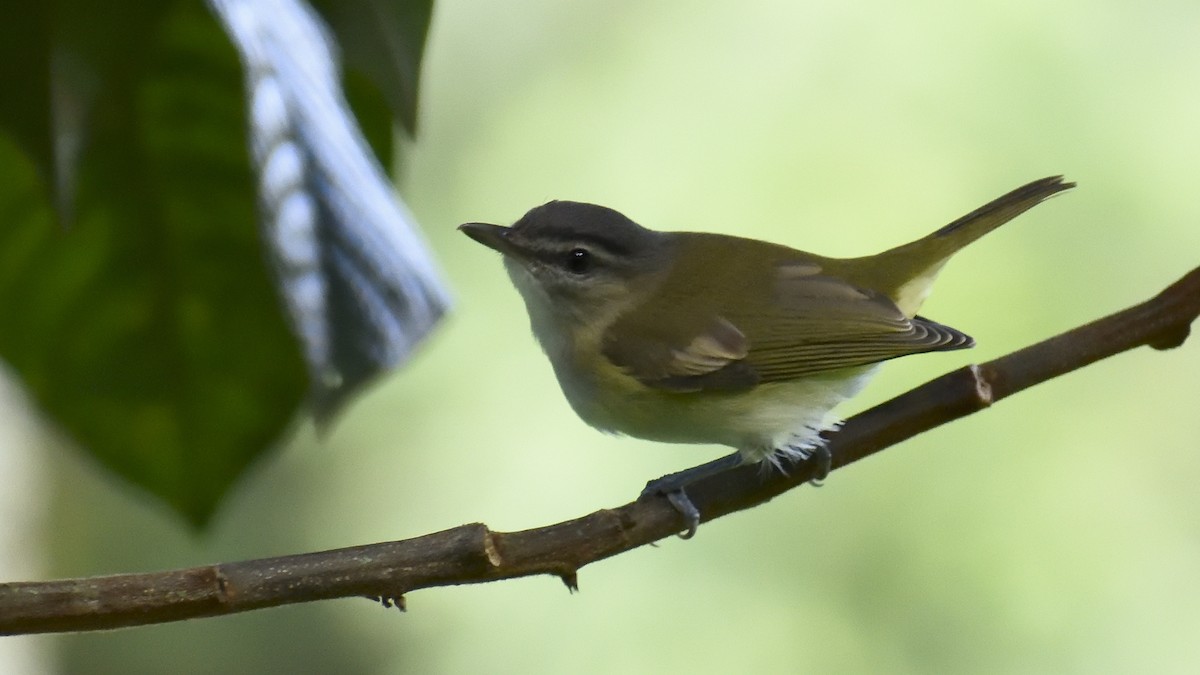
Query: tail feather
point(1001, 210)
point(911, 268)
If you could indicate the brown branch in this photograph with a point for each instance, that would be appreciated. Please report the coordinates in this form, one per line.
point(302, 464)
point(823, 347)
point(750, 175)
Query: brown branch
point(475, 554)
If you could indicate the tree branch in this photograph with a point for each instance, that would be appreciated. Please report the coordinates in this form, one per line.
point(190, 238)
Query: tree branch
point(474, 554)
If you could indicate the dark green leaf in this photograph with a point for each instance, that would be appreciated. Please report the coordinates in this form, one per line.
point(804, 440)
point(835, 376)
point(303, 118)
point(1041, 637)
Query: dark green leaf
point(148, 328)
point(25, 83)
point(375, 119)
point(383, 40)
point(146, 325)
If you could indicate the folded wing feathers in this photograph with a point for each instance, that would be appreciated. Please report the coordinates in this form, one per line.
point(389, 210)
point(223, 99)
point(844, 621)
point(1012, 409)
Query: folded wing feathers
point(807, 356)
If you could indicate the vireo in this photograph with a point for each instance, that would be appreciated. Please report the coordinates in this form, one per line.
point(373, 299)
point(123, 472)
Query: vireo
point(687, 337)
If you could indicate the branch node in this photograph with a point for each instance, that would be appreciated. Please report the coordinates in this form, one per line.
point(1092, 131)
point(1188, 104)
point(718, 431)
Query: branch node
point(1172, 338)
point(571, 580)
point(225, 590)
point(983, 388)
point(388, 602)
point(491, 550)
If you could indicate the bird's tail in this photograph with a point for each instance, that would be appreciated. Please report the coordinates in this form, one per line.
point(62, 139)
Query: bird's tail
point(911, 268)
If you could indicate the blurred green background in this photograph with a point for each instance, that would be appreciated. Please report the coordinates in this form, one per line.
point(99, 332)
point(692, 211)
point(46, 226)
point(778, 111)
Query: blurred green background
point(1058, 532)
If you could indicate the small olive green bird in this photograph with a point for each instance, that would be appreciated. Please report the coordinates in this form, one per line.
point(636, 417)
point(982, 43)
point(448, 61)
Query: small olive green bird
point(687, 337)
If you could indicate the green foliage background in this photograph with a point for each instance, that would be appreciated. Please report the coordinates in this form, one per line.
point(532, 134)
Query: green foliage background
point(139, 313)
point(1058, 532)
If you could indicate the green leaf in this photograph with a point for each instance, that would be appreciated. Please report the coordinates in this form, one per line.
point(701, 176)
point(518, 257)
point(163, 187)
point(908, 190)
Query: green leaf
point(146, 324)
point(383, 40)
point(25, 76)
point(148, 328)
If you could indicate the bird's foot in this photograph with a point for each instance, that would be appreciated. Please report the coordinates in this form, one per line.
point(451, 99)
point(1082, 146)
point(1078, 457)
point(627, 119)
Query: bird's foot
point(672, 487)
point(691, 515)
point(816, 454)
point(822, 459)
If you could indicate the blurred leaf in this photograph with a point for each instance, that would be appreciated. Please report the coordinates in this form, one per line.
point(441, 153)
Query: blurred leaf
point(383, 40)
point(147, 325)
point(375, 119)
point(25, 76)
point(360, 284)
point(148, 328)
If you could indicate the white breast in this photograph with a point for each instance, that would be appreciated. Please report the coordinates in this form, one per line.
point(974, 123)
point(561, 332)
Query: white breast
point(773, 417)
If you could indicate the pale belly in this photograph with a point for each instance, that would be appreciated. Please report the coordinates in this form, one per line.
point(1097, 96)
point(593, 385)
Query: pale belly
point(771, 417)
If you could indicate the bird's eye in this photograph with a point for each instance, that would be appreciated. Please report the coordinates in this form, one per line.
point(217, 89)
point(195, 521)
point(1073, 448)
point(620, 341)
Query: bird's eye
point(579, 261)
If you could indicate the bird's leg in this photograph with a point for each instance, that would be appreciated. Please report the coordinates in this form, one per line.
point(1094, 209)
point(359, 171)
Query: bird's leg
point(672, 487)
point(814, 451)
point(822, 458)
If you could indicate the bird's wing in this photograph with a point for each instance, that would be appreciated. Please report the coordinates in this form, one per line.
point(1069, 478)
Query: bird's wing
point(814, 323)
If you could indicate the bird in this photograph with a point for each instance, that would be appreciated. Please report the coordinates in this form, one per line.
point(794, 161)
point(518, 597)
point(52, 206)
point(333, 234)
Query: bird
point(704, 338)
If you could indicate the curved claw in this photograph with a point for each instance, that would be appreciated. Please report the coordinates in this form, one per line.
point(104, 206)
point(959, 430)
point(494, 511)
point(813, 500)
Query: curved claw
point(687, 509)
point(823, 459)
point(679, 500)
point(671, 486)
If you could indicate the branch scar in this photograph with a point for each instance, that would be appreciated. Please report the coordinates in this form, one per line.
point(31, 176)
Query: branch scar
point(983, 388)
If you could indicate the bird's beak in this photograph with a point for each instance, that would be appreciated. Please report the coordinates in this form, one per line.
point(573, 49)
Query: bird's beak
point(492, 236)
